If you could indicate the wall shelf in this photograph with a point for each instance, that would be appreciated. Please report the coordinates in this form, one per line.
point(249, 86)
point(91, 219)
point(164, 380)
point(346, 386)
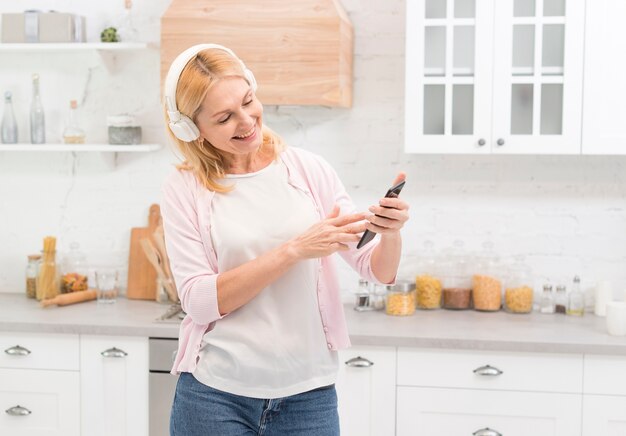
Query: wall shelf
point(74, 46)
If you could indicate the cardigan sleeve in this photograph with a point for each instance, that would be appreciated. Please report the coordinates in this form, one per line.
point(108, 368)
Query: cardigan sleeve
point(195, 278)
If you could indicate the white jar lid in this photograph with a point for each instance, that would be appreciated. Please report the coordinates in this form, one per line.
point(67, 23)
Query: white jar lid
point(122, 120)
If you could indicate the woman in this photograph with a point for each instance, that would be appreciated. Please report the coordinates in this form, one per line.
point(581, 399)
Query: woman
point(249, 227)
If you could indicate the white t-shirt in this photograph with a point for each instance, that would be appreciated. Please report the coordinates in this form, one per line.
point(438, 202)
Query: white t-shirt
point(273, 346)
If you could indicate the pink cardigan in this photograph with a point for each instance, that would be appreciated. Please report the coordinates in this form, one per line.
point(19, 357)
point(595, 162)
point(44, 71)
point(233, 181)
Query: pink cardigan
point(186, 211)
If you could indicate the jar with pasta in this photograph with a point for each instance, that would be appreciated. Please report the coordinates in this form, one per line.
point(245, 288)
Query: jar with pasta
point(427, 280)
point(518, 288)
point(487, 281)
point(400, 300)
point(74, 270)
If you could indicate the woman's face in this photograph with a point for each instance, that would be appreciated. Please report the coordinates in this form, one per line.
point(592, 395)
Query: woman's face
point(231, 117)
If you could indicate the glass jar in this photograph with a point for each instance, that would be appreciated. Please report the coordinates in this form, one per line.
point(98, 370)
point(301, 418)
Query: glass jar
point(518, 292)
point(560, 300)
point(576, 303)
point(486, 282)
point(123, 130)
point(427, 282)
point(75, 270)
point(400, 299)
point(32, 268)
point(456, 281)
point(546, 304)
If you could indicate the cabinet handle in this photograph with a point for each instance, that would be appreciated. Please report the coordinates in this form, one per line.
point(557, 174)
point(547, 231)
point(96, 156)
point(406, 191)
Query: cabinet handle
point(114, 352)
point(18, 411)
point(359, 362)
point(487, 370)
point(17, 350)
point(500, 142)
point(486, 432)
point(481, 142)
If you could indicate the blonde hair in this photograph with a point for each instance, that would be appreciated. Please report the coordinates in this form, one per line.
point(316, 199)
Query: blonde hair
point(201, 73)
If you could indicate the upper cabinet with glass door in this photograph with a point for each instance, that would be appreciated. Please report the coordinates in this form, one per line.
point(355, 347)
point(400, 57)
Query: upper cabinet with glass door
point(494, 76)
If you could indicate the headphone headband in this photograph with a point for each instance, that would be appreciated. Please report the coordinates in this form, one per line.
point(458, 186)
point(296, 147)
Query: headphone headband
point(182, 126)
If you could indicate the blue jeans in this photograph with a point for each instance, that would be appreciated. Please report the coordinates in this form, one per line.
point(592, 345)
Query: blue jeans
point(203, 411)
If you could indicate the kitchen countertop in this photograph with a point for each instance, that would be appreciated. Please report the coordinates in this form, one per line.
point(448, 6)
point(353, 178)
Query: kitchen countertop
point(497, 331)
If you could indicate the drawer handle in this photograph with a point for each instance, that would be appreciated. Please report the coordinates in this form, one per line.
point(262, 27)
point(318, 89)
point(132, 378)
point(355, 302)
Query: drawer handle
point(17, 350)
point(114, 352)
point(359, 362)
point(486, 432)
point(487, 370)
point(18, 411)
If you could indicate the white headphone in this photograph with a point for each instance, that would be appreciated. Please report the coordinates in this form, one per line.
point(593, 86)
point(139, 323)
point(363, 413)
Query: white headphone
point(181, 125)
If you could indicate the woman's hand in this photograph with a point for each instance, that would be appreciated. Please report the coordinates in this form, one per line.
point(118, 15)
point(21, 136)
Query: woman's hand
point(390, 214)
point(329, 235)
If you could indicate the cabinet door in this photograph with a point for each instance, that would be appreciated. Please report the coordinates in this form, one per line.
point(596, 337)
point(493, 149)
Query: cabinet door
point(538, 70)
point(448, 76)
point(604, 130)
point(39, 402)
point(366, 391)
point(453, 412)
point(604, 415)
point(114, 385)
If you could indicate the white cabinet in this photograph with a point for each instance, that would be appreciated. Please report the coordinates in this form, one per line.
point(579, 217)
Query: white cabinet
point(604, 415)
point(604, 112)
point(366, 391)
point(114, 385)
point(487, 76)
point(39, 384)
point(453, 412)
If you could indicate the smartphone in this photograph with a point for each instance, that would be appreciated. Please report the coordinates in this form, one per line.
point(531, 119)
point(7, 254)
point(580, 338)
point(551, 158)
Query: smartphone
point(393, 192)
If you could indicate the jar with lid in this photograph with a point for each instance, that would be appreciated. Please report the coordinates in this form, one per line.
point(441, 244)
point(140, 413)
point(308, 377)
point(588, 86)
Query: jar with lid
point(546, 304)
point(518, 290)
point(32, 268)
point(123, 130)
point(75, 270)
point(487, 282)
point(560, 300)
point(400, 299)
point(456, 281)
point(427, 281)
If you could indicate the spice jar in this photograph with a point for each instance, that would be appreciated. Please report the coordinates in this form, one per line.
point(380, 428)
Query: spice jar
point(518, 292)
point(48, 277)
point(401, 298)
point(427, 282)
point(560, 300)
point(456, 281)
point(546, 304)
point(123, 130)
point(75, 270)
point(486, 282)
point(32, 268)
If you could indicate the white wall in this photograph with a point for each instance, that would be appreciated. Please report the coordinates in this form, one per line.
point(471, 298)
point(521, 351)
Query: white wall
point(566, 214)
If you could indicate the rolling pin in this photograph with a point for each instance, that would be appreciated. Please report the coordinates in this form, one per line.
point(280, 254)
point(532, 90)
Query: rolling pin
point(74, 297)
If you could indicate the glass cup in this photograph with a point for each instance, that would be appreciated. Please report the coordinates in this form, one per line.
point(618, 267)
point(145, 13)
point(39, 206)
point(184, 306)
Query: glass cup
point(107, 284)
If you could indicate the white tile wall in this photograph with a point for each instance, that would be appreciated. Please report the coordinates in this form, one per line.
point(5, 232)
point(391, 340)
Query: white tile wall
point(566, 214)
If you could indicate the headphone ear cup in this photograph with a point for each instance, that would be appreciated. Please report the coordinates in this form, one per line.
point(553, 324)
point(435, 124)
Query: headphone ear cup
point(185, 129)
point(251, 79)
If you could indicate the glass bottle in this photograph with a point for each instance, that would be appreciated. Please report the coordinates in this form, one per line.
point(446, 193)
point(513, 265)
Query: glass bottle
point(427, 282)
point(75, 270)
point(560, 300)
point(576, 305)
point(126, 29)
point(37, 118)
point(9, 126)
point(73, 134)
point(518, 293)
point(32, 269)
point(546, 304)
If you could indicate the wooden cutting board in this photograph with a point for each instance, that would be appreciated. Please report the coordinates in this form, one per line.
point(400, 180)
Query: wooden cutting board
point(142, 278)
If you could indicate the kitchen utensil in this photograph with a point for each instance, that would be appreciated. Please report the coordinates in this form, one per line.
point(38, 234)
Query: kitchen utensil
point(159, 241)
point(74, 297)
point(141, 274)
point(155, 259)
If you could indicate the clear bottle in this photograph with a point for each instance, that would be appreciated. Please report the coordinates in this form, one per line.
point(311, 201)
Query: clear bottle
point(9, 126)
point(576, 304)
point(560, 300)
point(518, 293)
point(126, 28)
point(32, 269)
point(73, 134)
point(546, 304)
point(37, 117)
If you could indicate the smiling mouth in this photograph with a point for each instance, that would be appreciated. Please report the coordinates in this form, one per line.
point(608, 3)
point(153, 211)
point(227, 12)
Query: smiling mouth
point(247, 134)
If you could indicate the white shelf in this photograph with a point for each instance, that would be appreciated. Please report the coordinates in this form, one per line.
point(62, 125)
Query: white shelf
point(107, 148)
point(74, 46)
